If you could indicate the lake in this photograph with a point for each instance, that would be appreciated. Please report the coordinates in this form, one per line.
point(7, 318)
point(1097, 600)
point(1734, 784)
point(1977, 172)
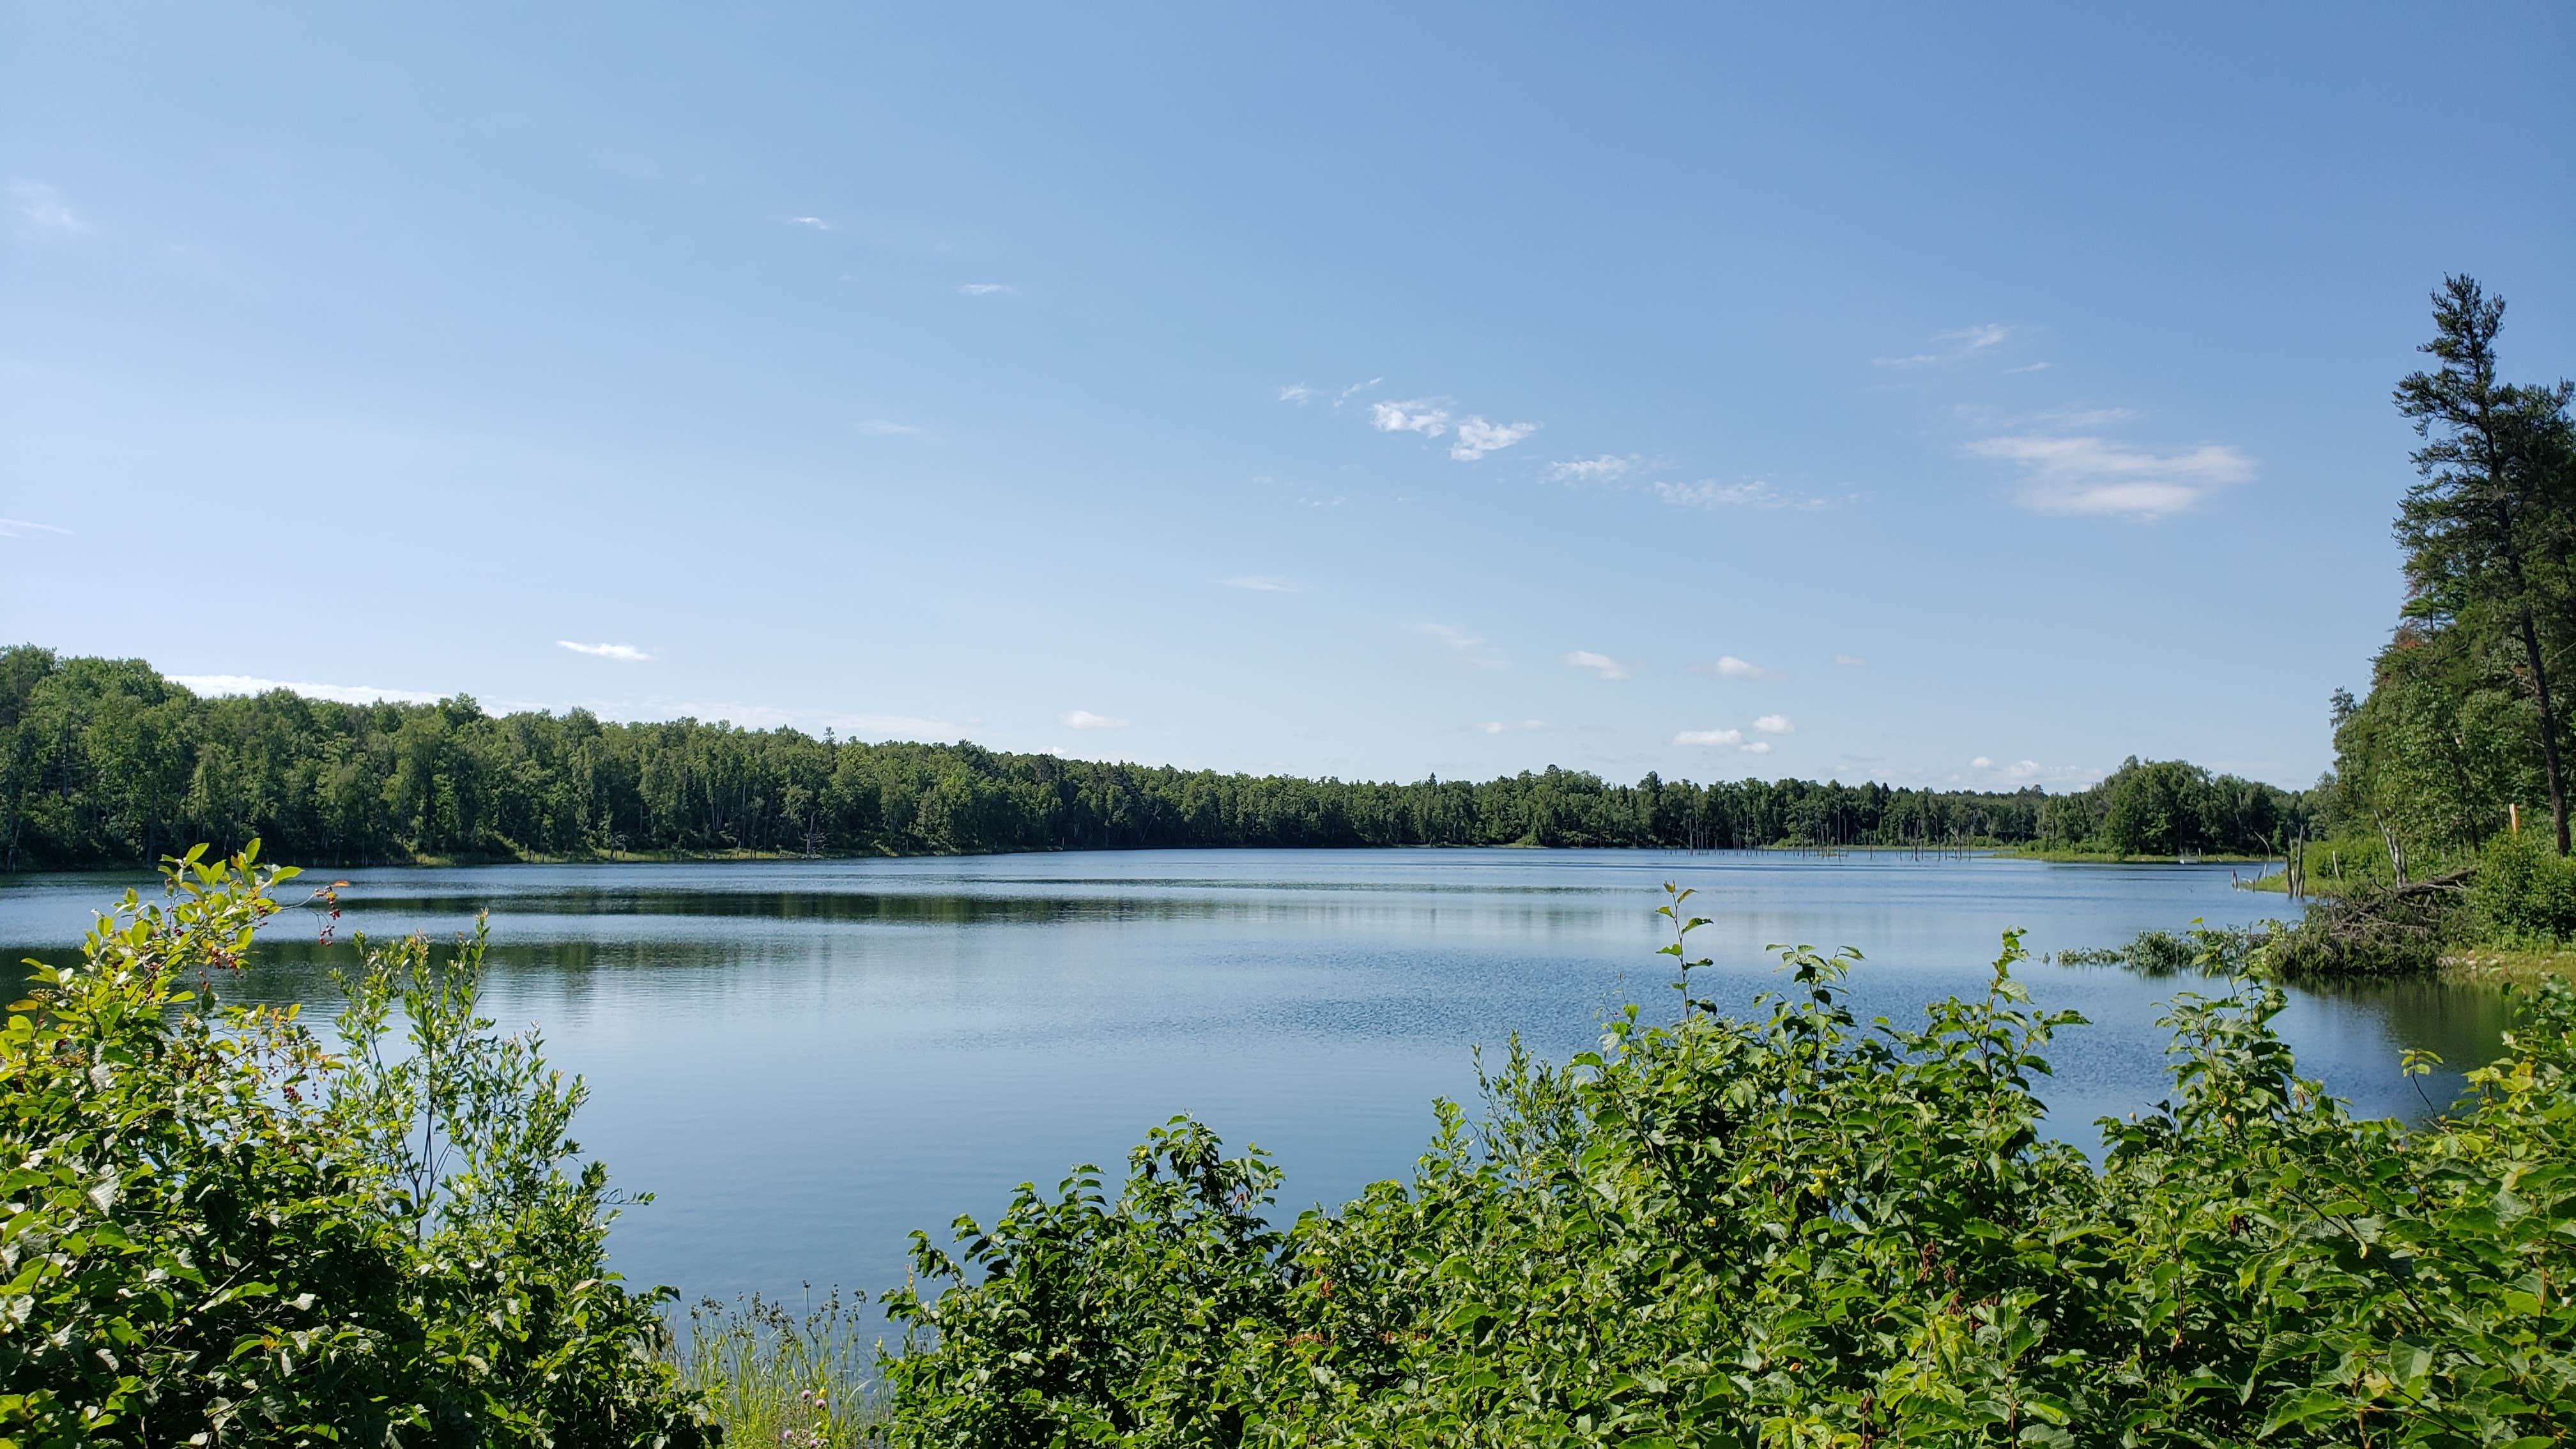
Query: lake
point(804, 1061)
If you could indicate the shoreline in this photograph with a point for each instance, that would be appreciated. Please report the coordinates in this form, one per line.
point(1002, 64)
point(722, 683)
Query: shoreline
point(754, 857)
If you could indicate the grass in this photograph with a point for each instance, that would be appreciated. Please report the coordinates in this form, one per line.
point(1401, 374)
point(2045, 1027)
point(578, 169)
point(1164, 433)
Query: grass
point(775, 1377)
point(2070, 855)
point(2508, 965)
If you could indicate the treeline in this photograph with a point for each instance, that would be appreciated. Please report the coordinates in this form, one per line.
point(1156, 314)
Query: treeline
point(2467, 714)
point(2171, 808)
point(105, 762)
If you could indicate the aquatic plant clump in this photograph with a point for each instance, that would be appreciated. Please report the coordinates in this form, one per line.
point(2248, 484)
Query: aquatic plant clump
point(1796, 1228)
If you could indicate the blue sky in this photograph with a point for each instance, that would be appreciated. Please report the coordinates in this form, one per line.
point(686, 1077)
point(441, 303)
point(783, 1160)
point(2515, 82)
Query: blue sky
point(1370, 391)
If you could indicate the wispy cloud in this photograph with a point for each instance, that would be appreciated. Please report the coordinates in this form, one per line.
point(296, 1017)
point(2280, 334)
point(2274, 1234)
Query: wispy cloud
point(2083, 417)
point(1850, 661)
point(1951, 346)
point(1264, 584)
point(1985, 771)
point(1421, 415)
point(622, 653)
point(1468, 647)
point(27, 528)
point(1600, 664)
point(816, 222)
point(1297, 392)
point(1757, 747)
point(1774, 724)
point(1709, 737)
point(1346, 394)
point(43, 209)
point(1431, 417)
point(1755, 493)
point(885, 428)
point(986, 289)
point(1609, 467)
point(213, 684)
point(1083, 719)
point(1727, 666)
point(1508, 727)
point(2093, 476)
point(1476, 438)
point(2028, 367)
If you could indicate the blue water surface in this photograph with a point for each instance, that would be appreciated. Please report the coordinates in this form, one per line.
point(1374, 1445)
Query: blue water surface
point(804, 1061)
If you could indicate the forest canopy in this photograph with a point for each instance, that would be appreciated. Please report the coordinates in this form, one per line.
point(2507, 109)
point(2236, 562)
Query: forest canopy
point(106, 762)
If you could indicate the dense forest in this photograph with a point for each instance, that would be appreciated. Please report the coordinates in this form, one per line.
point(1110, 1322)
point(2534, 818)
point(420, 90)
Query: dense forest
point(105, 762)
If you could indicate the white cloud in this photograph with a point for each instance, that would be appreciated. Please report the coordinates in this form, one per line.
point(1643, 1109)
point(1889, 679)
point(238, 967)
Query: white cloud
point(986, 289)
point(1296, 392)
point(816, 222)
point(622, 653)
point(212, 684)
point(1606, 468)
point(1264, 584)
point(44, 209)
point(886, 428)
point(1476, 438)
point(1753, 494)
point(1421, 415)
point(1723, 739)
point(2088, 475)
point(1850, 661)
point(1600, 664)
point(1727, 666)
point(27, 528)
point(1984, 772)
point(1469, 647)
point(1952, 345)
point(1083, 719)
point(1358, 387)
point(1774, 724)
point(1505, 727)
point(2028, 367)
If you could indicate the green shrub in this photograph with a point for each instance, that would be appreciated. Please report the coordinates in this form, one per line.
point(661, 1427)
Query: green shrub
point(2524, 892)
point(1799, 1230)
point(215, 1232)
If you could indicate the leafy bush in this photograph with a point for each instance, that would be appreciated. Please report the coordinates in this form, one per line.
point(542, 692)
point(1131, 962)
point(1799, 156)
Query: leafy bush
point(2524, 892)
point(1797, 1229)
point(215, 1232)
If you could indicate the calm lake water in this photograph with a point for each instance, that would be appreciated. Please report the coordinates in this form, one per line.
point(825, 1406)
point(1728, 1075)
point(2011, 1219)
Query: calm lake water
point(804, 1061)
